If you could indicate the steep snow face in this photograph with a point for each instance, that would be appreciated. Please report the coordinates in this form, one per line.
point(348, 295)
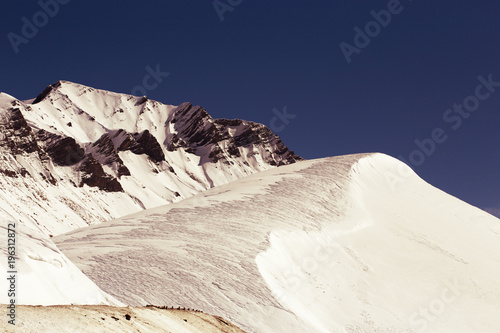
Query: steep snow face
point(44, 275)
point(406, 256)
point(354, 243)
point(76, 155)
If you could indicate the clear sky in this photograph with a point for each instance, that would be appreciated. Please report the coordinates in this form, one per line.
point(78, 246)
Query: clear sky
point(409, 63)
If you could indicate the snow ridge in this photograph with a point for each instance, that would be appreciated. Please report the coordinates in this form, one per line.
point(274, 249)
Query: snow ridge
point(328, 245)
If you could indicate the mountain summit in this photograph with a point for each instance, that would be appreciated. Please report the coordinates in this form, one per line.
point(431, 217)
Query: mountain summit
point(97, 155)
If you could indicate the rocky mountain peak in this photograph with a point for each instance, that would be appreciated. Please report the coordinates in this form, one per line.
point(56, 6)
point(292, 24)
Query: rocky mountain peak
point(115, 149)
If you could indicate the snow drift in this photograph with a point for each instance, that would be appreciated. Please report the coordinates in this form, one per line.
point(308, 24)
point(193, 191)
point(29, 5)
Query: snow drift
point(356, 243)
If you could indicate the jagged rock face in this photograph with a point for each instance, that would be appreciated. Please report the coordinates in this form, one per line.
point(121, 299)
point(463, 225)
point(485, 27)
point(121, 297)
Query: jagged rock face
point(142, 143)
point(196, 128)
point(16, 135)
point(109, 154)
point(105, 151)
point(94, 175)
point(46, 92)
point(63, 151)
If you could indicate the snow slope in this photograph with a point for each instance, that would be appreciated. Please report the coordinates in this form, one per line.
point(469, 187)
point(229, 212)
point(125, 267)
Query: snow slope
point(44, 274)
point(355, 243)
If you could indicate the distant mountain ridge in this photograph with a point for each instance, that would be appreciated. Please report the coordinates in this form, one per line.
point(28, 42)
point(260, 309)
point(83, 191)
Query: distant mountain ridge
point(94, 155)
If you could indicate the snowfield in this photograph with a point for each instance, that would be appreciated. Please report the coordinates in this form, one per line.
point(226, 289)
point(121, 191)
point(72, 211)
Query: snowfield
point(355, 243)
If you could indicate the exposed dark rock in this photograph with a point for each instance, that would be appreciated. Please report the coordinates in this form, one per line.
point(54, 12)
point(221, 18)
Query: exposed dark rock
point(46, 91)
point(9, 173)
point(50, 178)
point(17, 136)
point(141, 143)
point(124, 140)
point(104, 151)
point(64, 151)
point(233, 150)
point(141, 100)
point(228, 122)
point(195, 131)
point(147, 144)
point(94, 175)
point(196, 128)
point(175, 143)
point(104, 147)
point(123, 171)
point(216, 154)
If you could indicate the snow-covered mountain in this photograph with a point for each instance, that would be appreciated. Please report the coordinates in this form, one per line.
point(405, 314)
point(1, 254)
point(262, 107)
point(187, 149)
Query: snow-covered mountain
point(75, 155)
point(175, 208)
point(354, 243)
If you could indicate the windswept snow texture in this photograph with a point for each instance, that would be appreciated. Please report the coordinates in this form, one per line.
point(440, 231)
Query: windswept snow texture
point(355, 243)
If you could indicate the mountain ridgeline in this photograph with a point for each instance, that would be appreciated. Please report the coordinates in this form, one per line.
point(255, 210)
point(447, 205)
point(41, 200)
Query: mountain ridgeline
point(97, 155)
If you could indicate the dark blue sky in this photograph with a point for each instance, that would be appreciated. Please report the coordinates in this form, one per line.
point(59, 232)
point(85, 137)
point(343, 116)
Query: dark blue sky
point(270, 54)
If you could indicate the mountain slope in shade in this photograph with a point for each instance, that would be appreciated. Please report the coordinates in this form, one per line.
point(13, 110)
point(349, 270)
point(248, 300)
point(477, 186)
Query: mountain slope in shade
point(355, 243)
point(76, 155)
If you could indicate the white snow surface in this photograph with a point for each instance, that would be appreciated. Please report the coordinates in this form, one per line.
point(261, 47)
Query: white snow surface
point(44, 276)
point(355, 243)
